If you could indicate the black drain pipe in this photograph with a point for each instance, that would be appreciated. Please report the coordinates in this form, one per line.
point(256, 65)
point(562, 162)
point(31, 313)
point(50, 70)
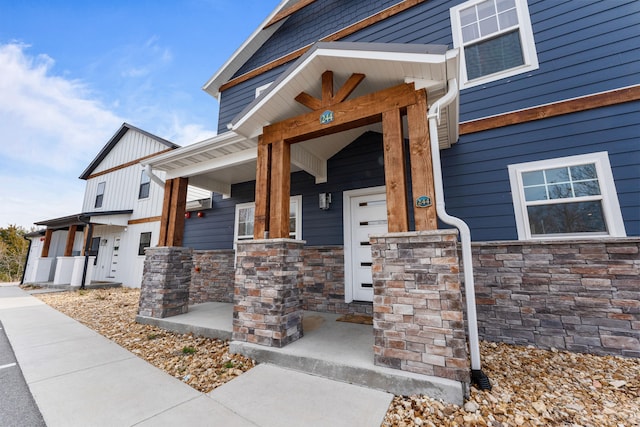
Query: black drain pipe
point(86, 249)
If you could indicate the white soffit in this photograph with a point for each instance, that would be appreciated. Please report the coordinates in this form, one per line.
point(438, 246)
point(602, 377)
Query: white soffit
point(121, 220)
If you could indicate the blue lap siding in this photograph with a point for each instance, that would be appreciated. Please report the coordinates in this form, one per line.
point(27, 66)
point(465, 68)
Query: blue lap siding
point(583, 48)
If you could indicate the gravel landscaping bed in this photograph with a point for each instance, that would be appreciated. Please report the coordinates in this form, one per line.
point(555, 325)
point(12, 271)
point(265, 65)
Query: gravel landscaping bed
point(203, 363)
point(531, 387)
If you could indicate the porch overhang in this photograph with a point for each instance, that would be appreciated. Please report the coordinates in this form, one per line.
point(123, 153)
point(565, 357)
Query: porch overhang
point(384, 64)
point(115, 217)
point(217, 163)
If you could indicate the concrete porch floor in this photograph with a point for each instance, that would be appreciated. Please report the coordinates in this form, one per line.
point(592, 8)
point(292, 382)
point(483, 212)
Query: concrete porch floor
point(339, 351)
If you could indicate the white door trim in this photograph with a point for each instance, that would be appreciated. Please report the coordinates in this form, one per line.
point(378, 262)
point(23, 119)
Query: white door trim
point(346, 220)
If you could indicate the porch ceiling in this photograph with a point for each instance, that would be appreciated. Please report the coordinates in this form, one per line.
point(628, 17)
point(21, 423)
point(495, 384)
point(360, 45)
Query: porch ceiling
point(217, 163)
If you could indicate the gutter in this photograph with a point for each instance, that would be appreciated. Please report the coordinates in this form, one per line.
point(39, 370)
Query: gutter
point(477, 376)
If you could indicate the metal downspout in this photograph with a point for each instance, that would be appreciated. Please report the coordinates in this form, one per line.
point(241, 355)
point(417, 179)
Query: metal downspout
point(86, 250)
point(26, 260)
point(477, 376)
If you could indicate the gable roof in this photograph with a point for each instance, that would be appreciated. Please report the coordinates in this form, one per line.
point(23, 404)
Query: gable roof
point(229, 158)
point(386, 65)
point(114, 140)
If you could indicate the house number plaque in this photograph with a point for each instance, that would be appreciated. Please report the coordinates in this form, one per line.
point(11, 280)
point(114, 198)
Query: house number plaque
point(423, 202)
point(326, 117)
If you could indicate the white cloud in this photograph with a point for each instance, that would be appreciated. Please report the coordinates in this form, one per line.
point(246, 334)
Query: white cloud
point(27, 199)
point(54, 126)
point(46, 119)
point(51, 130)
point(187, 133)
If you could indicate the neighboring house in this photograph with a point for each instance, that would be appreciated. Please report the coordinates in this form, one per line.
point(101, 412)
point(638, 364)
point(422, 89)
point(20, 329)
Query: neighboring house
point(120, 218)
point(324, 139)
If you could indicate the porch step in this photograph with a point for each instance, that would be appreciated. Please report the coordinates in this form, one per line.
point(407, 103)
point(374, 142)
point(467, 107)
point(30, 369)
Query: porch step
point(338, 351)
point(211, 320)
point(371, 376)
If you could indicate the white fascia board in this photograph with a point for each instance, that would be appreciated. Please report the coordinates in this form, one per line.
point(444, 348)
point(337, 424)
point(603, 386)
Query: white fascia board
point(309, 162)
point(211, 184)
point(418, 58)
point(270, 91)
point(243, 53)
point(213, 165)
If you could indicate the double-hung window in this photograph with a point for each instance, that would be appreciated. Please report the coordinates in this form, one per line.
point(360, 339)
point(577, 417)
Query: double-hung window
point(495, 38)
point(145, 185)
point(100, 194)
point(243, 229)
point(566, 198)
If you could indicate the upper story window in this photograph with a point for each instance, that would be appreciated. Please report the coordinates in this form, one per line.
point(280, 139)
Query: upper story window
point(495, 38)
point(567, 197)
point(145, 185)
point(243, 229)
point(100, 194)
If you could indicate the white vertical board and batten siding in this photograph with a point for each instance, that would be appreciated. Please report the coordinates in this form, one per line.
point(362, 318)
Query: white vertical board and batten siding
point(133, 145)
point(122, 186)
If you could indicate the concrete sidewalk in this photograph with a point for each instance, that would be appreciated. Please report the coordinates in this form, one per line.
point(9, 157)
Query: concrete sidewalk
point(79, 378)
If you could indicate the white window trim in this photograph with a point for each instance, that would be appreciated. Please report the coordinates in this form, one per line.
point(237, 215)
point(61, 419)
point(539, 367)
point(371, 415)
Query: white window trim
point(610, 204)
point(296, 199)
point(529, 53)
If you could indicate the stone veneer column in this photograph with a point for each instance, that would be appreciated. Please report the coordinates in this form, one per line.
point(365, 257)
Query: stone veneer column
point(417, 305)
point(165, 282)
point(267, 302)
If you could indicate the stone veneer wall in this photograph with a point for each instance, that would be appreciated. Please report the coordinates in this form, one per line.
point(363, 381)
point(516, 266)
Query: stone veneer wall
point(212, 276)
point(418, 320)
point(267, 304)
point(165, 282)
point(323, 282)
point(581, 296)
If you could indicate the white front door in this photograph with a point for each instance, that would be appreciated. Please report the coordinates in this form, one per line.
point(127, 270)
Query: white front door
point(366, 215)
point(114, 258)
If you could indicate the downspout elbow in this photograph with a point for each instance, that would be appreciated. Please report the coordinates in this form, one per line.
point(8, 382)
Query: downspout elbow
point(155, 178)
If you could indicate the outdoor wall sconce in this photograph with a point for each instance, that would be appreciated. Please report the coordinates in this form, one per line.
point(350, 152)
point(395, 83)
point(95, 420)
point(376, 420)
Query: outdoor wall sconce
point(200, 214)
point(187, 215)
point(324, 201)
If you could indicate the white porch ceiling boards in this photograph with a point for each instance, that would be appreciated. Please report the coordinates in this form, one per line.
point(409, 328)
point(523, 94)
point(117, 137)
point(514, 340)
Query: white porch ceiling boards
point(217, 163)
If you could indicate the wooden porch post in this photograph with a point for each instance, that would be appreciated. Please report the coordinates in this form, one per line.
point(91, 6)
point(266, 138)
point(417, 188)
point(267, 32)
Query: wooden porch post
point(280, 189)
point(394, 171)
point(263, 187)
point(71, 236)
point(173, 209)
point(47, 243)
point(421, 165)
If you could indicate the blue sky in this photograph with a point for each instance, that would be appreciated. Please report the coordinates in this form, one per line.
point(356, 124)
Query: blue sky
point(71, 72)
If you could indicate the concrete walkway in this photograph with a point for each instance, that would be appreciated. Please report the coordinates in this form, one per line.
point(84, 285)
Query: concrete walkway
point(79, 378)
